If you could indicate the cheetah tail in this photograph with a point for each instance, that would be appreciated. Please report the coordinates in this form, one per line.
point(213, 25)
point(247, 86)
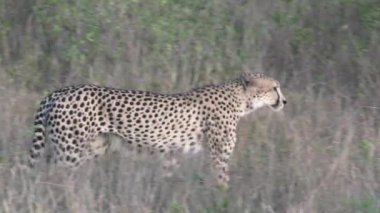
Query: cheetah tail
point(38, 144)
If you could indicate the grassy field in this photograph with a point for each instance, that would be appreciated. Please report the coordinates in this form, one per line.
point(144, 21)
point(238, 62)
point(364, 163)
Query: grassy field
point(320, 154)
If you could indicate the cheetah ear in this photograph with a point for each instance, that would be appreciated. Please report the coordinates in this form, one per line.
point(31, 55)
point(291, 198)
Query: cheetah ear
point(249, 79)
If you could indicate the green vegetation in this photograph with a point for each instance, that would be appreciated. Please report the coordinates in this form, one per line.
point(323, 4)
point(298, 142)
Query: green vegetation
point(321, 154)
point(175, 207)
point(366, 204)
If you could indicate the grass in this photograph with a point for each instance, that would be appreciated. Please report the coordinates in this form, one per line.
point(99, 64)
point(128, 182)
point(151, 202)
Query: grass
point(321, 154)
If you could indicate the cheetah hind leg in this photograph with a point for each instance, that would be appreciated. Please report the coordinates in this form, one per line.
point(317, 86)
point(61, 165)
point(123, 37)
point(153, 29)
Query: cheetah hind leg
point(73, 157)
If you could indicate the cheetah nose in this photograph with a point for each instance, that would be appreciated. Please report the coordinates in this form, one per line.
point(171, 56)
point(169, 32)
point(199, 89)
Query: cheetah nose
point(284, 102)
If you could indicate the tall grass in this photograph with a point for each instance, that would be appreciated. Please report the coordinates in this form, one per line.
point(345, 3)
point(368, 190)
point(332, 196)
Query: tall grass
point(321, 154)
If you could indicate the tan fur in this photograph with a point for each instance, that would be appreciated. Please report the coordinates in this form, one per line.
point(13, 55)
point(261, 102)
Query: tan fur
point(75, 119)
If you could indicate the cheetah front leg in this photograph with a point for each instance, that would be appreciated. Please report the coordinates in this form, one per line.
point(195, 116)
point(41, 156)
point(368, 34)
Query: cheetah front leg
point(221, 146)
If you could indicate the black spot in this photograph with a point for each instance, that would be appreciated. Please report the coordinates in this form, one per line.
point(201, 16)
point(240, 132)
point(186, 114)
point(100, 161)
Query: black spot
point(38, 130)
point(36, 146)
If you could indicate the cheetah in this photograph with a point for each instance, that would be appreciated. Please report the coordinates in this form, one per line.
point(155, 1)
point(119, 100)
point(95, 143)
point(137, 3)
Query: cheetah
point(70, 121)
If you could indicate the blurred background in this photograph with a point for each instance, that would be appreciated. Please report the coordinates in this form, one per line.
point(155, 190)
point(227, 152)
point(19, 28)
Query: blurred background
point(320, 154)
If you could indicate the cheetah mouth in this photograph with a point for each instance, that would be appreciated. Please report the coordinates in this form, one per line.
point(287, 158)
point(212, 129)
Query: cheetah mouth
point(276, 106)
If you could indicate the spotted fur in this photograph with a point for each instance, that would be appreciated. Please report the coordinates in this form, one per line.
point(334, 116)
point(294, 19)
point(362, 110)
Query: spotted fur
point(72, 120)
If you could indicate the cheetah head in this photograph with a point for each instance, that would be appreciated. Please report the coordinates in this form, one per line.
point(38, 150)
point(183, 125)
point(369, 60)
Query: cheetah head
point(261, 91)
